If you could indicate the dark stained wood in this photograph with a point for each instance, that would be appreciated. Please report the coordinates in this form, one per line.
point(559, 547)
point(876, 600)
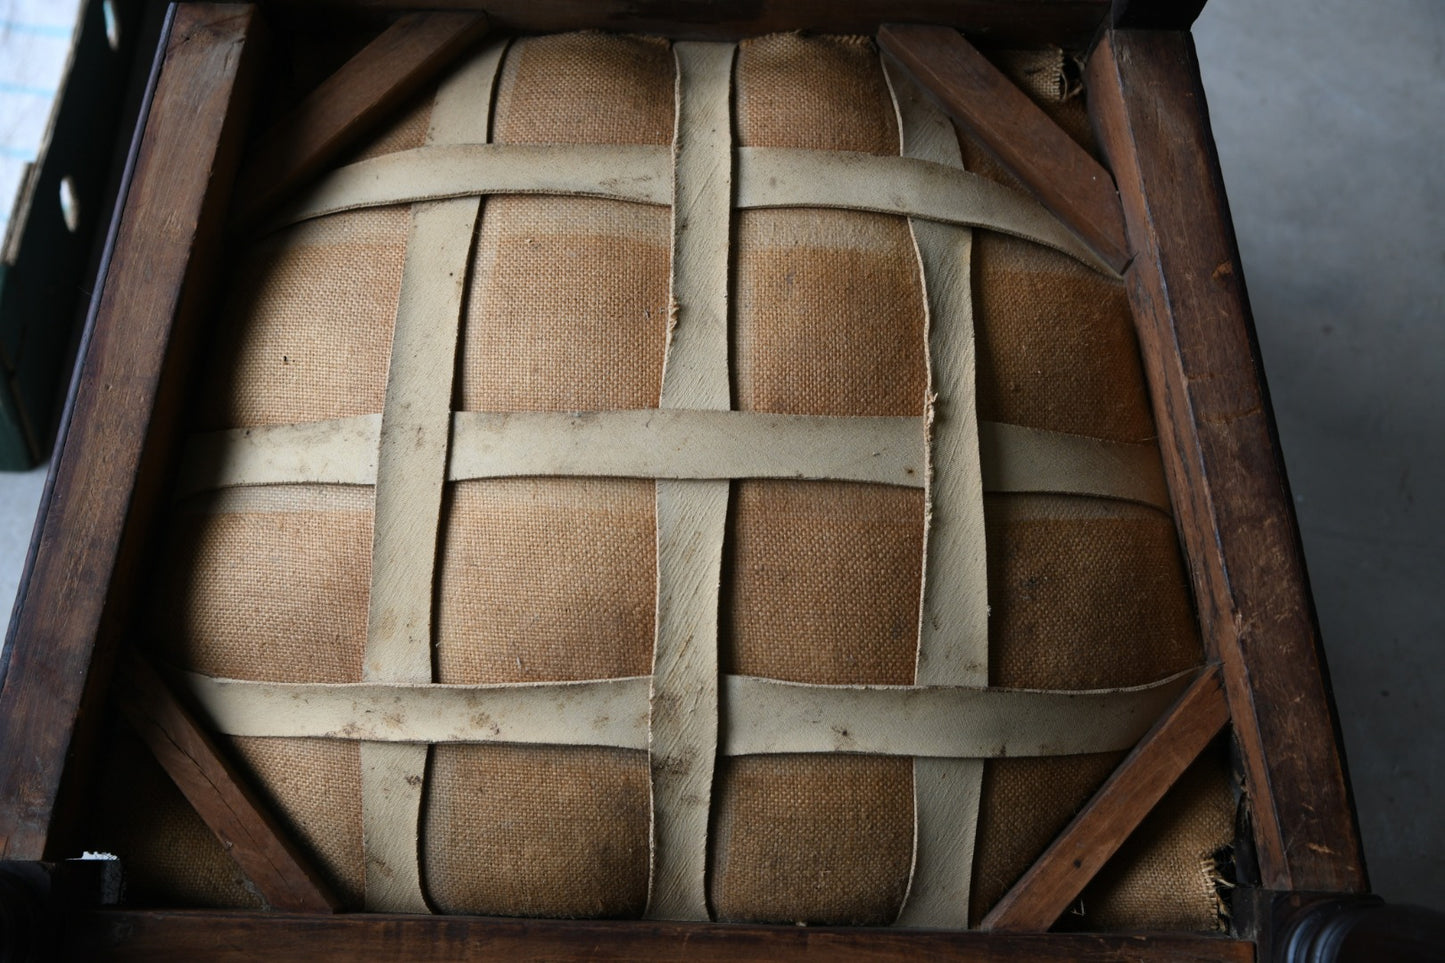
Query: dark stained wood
point(1058, 877)
point(235, 937)
point(1155, 14)
point(976, 94)
point(27, 929)
point(1310, 928)
point(350, 104)
point(279, 871)
point(1027, 22)
point(107, 476)
point(159, 30)
point(84, 566)
point(1222, 459)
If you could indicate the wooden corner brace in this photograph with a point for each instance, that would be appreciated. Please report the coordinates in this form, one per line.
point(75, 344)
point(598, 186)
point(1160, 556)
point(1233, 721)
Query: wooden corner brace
point(349, 104)
point(972, 91)
point(278, 870)
point(1116, 810)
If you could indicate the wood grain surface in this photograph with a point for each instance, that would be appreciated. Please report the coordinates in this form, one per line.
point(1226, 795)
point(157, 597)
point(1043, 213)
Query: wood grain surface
point(1221, 456)
point(157, 937)
point(106, 478)
point(274, 865)
point(350, 104)
point(1025, 22)
point(1155, 14)
point(1115, 811)
point(1033, 148)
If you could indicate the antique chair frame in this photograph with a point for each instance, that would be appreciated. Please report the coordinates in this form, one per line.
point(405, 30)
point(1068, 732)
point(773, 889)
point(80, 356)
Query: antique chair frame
point(1161, 217)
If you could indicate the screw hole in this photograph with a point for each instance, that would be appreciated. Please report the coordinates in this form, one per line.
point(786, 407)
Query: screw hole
point(69, 204)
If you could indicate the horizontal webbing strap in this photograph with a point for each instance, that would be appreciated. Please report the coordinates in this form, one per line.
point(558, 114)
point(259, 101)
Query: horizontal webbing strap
point(602, 712)
point(765, 177)
point(341, 451)
point(677, 443)
point(623, 172)
point(1019, 459)
point(646, 443)
point(948, 722)
point(690, 444)
point(782, 177)
point(761, 716)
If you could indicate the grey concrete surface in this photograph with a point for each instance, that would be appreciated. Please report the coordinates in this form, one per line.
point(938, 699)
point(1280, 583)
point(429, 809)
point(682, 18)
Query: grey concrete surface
point(19, 500)
point(1328, 116)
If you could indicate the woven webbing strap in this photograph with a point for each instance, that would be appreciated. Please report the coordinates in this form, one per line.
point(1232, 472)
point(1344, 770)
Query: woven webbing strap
point(410, 472)
point(765, 177)
point(691, 515)
point(761, 716)
point(680, 443)
point(953, 611)
point(685, 714)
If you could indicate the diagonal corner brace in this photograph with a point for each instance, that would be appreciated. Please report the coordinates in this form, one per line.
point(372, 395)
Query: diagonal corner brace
point(972, 91)
point(1043, 893)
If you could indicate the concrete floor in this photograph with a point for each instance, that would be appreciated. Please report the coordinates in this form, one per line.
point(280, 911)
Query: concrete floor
point(1327, 114)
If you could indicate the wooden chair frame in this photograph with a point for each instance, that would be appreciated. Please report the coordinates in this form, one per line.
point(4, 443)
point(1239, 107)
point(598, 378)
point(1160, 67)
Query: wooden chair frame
point(1160, 216)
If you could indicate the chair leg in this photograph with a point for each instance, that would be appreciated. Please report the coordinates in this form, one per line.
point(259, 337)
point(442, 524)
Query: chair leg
point(1354, 929)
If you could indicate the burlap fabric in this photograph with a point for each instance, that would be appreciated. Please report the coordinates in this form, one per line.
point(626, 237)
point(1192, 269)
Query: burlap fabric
point(547, 579)
point(1175, 872)
point(1082, 592)
point(168, 855)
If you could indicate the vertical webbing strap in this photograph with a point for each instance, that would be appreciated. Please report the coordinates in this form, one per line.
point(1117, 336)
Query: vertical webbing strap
point(411, 468)
point(953, 615)
point(691, 515)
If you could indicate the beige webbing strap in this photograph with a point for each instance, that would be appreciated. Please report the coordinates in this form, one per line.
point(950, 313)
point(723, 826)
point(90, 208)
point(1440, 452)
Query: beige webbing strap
point(953, 612)
point(624, 172)
point(596, 712)
point(765, 177)
point(681, 443)
point(946, 723)
point(340, 451)
point(1018, 459)
point(785, 177)
point(410, 471)
point(678, 443)
point(764, 716)
point(691, 515)
point(646, 443)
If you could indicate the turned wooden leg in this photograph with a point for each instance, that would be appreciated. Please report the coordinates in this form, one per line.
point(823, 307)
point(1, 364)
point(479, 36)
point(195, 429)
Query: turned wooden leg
point(1356, 929)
